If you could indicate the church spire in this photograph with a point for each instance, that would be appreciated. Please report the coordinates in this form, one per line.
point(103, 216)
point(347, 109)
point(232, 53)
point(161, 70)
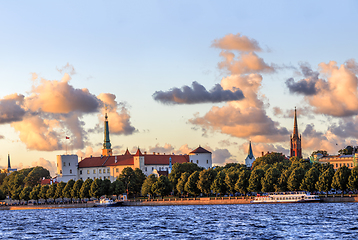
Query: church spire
point(250, 154)
point(106, 151)
point(8, 161)
point(296, 150)
point(295, 128)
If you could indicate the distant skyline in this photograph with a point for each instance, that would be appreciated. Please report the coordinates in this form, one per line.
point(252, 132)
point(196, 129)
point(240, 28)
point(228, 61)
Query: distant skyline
point(176, 75)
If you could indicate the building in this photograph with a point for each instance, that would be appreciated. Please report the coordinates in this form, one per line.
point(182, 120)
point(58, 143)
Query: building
point(109, 166)
point(8, 170)
point(296, 150)
point(250, 157)
point(337, 161)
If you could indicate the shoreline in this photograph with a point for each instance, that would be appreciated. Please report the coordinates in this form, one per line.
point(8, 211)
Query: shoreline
point(172, 202)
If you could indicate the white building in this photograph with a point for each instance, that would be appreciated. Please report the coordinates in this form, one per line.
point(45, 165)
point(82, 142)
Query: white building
point(250, 157)
point(110, 167)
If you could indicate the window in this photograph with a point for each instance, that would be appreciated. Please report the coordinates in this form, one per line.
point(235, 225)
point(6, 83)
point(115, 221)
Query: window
point(69, 164)
point(64, 164)
point(152, 168)
point(117, 170)
point(145, 168)
point(70, 171)
point(104, 170)
point(336, 164)
point(207, 161)
point(340, 165)
point(197, 161)
point(87, 171)
point(191, 160)
point(60, 171)
point(107, 170)
point(80, 172)
point(94, 170)
point(99, 171)
point(351, 164)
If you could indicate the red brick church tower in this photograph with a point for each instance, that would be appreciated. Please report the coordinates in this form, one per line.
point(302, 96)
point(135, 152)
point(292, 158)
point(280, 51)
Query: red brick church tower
point(296, 150)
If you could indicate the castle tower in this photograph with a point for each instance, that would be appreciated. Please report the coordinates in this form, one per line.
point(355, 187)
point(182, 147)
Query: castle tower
point(107, 150)
point(296, 150)
point(250, 157)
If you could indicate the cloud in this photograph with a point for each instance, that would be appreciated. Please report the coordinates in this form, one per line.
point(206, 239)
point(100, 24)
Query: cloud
point(118, 115)
point(346, 128)
point(259, 148)
point(237, 42)
point(49, 165)
point(197, 94)
point(2, 137)
point(226, 143)
point(306, 86)
point(68, 68)
point(222, 156)
point(11, 108)
point(167, 149)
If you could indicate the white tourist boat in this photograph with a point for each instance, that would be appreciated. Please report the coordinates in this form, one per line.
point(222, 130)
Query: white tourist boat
point(105, 202)
point(286, 197)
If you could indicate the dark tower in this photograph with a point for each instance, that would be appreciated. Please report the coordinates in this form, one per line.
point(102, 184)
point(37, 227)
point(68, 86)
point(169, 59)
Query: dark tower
point(296, 150)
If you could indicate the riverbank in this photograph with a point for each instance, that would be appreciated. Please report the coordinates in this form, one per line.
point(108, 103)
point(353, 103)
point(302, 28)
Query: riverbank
point(173, 201)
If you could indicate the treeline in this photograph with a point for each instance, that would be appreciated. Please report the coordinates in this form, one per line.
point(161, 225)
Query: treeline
point(270, 173)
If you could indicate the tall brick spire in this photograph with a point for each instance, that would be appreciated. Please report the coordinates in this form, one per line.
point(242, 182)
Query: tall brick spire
point(296, 150)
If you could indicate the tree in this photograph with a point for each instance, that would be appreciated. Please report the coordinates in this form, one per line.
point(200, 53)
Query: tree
point(270, 179)
point(219, 186)
point(66, 192)
point(231, 179)
point(179, 168)
point(162, 187)
point(255, 180)
point(269, 158)
point(282, 181)
point(59, 189)
point(323, 152)
point(295, 179)
point(117, 187)
point(325, 181)
point(191, 186)
point(181, 183)
point(85, 189)
point(15, 194)
point(2, 177)
point(75, 192)
point(25, 193)
point(242, 183)
point(51, 191)
point(34, 194)
point(106, 187)
point(340, 178)
point(36, 174)
point(140, 177)
point(353, 179)
point(310, 180)
point(95, 190)
point(206, 178)
point(129, 178)
point(2, 195)
point(43, 191)
point(346, 151)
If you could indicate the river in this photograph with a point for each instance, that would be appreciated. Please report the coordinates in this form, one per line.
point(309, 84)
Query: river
point(246, 221)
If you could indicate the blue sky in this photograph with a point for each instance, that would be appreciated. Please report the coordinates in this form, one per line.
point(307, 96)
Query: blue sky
point(133, 49)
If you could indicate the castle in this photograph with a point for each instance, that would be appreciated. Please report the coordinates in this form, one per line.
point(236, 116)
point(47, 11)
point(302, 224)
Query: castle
point(109, 166)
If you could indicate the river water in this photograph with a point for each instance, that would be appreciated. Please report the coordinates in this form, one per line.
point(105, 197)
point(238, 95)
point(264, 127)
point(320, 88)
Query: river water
point(251, 221)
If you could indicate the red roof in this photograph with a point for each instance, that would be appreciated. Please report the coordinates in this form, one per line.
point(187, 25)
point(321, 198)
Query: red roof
point(200, 150)
point(164, 159)
point(138, 153)
point(45, 181)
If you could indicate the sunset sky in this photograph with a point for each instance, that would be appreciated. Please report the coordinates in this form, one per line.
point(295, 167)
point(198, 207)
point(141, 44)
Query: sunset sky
point(175, 75)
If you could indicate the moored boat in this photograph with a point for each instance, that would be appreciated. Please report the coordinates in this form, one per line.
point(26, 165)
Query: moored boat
point(105, 202)
point(286, 197)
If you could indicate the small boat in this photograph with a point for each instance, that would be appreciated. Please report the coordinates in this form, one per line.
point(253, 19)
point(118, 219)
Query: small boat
point(105, 202)
point(287, 197)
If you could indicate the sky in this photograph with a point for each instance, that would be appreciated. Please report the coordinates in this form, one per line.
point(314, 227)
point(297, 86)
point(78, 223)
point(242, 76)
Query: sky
point(175, 75)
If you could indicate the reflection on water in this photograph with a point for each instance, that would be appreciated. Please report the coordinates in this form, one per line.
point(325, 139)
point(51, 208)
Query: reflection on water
point(266, 221)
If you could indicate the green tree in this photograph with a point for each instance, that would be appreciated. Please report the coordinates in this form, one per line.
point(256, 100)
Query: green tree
point(75, 192)
point(147, 185)
point(36, 174)
point(34, 194)
point(353, 179)
point(117, 187)
point(25, 193)
point(66, 192)
point(96, 190)
point(282, 181)
point(2, 195)
point(129, 178)
point(325, 181)
point(106, 187)
point(346, 151)
point(231, 179)
point(191, 186)
point(181, 183)
point(323, 152)
point(162, 187)
point(179, 168)
point(85, 189)
point(295, 179)
point(59, 189)
point(43, 191)
point(255, 180)
point(219, 186)
point(2, 177)
point(51, 191)
point(140, 177)
point(15, 194)
point(206, 178)
point(310, 180)
point(242, 183)
point(340, 178)
point(270, 158)
point(270, 179)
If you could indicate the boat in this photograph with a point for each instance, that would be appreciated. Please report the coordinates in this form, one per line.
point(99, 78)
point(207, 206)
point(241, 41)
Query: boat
point(286, 197)
point(105, 202)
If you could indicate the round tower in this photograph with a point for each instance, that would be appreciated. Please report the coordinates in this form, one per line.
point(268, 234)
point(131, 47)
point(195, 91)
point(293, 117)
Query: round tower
point(67, 167)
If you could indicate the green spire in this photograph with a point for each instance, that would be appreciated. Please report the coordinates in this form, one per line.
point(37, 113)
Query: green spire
point(250, 154)
point(107, 142)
